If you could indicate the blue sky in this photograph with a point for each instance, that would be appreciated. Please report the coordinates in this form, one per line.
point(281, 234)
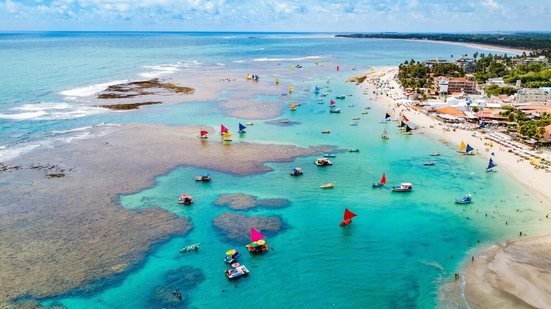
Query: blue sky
point(273, 15)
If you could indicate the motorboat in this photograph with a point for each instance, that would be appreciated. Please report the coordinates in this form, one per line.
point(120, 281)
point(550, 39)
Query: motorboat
point(340, 97)
point(185, 199)
point(435, 154)
point(335, 110)
point(328, 186)
point(354, 150)
point(190, 248)
point(323, 162)
point(403, 187)
point(354, 124)
point(430, 163)
point(356, 118)
point(296, 171)
point(205, 178)
point(328, 155)
point(284, 121)
point(464, 200)
point(236, 272)
point(231, 256)
point(325, 131)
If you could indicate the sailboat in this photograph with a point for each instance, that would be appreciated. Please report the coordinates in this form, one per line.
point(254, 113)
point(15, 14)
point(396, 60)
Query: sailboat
point(293, 107)
point(408, 130)
point(333, 108)
point(316, 90)
point(387, 118)
point(227, 136)
point(402, 124)
point(462, 147)
point(258, 244)
point(468, 150)
point(277, 81)
point(223, 129)
point(384, 135)
point(348, 215)
point(491, 166)
point(291, 89)
point(381, 182)
point(242, 128)
point(203, 134)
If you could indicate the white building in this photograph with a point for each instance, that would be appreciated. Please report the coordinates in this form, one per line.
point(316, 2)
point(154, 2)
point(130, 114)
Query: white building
point(534, 95)
point(496, 81)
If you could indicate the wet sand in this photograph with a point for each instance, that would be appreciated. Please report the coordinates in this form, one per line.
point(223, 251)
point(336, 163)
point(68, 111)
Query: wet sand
point(63, 233)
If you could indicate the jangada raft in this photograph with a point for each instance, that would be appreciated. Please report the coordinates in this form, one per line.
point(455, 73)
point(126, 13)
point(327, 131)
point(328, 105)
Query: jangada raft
point(185, 199)
point(348, 215)
point(381, 183)
point(330, 185)
point(258, 244)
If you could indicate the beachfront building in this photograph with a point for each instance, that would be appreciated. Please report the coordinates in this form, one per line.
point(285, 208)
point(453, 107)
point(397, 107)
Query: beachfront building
point(527, 60)
point(450, 114)
point(468, 64)
point(491, 116)
point(534, 95)
point(457, 85)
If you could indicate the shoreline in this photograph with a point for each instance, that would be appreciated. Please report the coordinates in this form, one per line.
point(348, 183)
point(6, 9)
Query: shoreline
point(502, 273)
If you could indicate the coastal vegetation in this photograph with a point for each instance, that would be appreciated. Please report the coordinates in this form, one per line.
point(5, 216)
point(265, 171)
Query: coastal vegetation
point(525, 40)
point(417, 75)
point(526, 126)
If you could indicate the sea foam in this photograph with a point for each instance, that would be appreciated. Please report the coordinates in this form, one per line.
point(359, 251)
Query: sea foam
point(90, 90)
point(49, 111)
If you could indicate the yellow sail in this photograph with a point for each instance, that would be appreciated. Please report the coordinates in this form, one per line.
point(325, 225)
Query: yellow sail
point(291, 89)
point(248, 77)
point(291, 68)
point(372, 69)
point(277, 81)
point(462, 147)
point(293, 106)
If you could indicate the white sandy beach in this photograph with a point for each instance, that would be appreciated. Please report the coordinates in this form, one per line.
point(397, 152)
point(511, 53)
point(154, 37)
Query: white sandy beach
point(510, 275)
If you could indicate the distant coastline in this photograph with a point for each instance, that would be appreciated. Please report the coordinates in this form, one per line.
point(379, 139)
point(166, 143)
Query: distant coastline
point(514, 42)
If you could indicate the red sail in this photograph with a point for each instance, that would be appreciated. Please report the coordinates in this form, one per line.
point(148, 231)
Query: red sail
point(203, 133)
point(383, 179)
point(338, 68)
point(223, 129)
point(348, 214)
point(256, 235)
point(405, 118)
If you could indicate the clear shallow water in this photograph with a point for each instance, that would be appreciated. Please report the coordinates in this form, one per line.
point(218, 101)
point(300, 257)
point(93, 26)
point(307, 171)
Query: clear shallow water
point(395, 254)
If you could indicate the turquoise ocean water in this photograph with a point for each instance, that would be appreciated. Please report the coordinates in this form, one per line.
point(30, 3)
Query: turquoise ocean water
point(398, 252)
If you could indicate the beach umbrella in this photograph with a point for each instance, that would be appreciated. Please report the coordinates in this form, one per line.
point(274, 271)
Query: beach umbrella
point(231, 252)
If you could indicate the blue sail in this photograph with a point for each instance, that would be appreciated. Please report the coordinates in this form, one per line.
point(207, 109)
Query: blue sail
point(242, 128)
point(491, 164)
point(317, 90)
point(469, 148)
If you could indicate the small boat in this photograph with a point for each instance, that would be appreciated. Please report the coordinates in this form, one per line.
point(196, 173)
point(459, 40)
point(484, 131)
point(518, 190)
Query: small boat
point(205, 178)
point(328, 186)
point(354, 150)
point(491, 166)
point(403, 187)
point(323, 162)
point(296, 171)
point(284, 121)
point(464, 200)
point(328, 155)
point(365, 113)
point(249, 123)
point(335, 110)
point(227, 137)
point(242, 129)
point(356, 118)
point(348, 215)
point(384, 135)
point(354, 124)
point(435, 154)
point(387, 118)
point(325, 132)
point(231, 256)
point(429, 163)
point(367, 107)
point(189, 248)
point(381, 182)
point(185, 199)
point(293, 107)
point(236, 272)
point(340, 97)
point(258, 244)
point(351, 105)
point(203, 134)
